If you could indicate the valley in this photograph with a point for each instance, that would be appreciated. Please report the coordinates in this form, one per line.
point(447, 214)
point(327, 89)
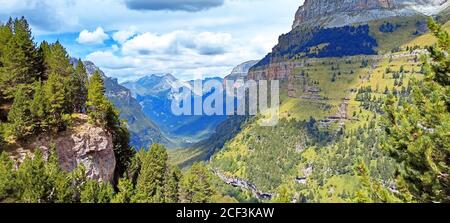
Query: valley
point(363, 117)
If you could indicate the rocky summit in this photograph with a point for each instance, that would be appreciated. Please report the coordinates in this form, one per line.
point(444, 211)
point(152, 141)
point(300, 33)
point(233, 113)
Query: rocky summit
point(336, 13)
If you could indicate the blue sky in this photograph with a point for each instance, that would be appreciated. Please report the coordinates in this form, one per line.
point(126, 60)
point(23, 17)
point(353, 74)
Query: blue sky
point(133, 38)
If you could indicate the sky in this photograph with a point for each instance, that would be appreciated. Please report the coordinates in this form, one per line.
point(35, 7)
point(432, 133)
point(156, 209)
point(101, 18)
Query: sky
point(129, 39)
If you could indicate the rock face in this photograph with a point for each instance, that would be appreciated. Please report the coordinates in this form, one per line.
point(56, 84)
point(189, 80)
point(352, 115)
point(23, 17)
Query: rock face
point(334, 13)
point(336, 28)
point(241, 71)
point(83, 144)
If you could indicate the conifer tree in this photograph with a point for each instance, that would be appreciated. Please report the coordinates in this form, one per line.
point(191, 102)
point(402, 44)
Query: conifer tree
point(126, 191)
point(32, 180)
point(195, 185)
point(38, 107)
point(152, 176)
point(20, 121)
point(20, 60)
point(97, 104)
point(55, 100)
point(95, 192)
point(60, 185)
point(7, 177)
point(78, 88)
point(172, 185)
point(418, 131)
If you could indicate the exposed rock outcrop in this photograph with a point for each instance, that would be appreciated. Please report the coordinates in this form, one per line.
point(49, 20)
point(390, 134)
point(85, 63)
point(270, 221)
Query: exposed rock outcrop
point(82, 144)
point(335, 13)
point(241, 71)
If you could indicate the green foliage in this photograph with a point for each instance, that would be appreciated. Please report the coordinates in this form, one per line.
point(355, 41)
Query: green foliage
point(97, 103)
point(20, 121)
point(152, 176)
point(7, 177)
point(418, 131)
point(126, 191)
point(195, 185)
point(20, 60)
point(78, 88)
point(95, 192)
point(54, 101)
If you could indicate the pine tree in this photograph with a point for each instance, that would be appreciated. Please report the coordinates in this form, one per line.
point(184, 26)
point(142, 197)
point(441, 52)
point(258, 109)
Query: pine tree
point(32, 180)
point(95, 192)
point(195, 185)
point(97, 104)
point(126, 191)
point(38, 107)
point(21, 62)
point(78, 88)
point(172, 185)
point(152, 176)
point(418, 131)
point(61, 187)
point(7, 177)
point(55, 100)
point(20, 121)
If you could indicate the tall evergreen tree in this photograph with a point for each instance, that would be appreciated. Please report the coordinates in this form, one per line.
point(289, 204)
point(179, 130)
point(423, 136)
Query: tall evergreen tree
point(38, 107)
point(32, 180)
point(152, 176)
point(55, 100)
point(196, 186)
point(20, 121)
point(7, 177)
point(20, 59)
point(78, 88)
point(418, 131)
point(97, 104)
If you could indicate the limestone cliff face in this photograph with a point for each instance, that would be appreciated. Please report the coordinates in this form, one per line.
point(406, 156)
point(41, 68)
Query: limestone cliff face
point(334, 13)
point(321, 25)
point(241, 71)
point(82, 144)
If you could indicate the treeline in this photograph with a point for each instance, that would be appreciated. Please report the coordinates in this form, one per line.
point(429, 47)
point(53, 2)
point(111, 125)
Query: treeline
point(150, 179)
point(40, 89)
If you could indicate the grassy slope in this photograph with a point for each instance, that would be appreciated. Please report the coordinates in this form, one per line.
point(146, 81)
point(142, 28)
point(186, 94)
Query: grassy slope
point(238, 151)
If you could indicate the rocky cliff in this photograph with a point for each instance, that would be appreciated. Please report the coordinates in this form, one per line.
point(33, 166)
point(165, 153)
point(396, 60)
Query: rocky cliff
point(241, 71)
point(81, 144)
point(335, 13)
point(339, 28)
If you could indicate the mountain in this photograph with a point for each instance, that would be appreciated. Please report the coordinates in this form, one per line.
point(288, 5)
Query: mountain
point(241, 71)
point(335, 75)
point(154, 95)
point(143, 131)
point(339, 28)
point(337, 13)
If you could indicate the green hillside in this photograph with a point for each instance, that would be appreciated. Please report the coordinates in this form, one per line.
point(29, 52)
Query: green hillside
point(331, 128)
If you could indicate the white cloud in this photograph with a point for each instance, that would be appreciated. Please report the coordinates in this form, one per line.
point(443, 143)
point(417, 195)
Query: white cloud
point(96, 37)
point(108, 60)
point(124, 35)
point(186, 54)
point(179, 42)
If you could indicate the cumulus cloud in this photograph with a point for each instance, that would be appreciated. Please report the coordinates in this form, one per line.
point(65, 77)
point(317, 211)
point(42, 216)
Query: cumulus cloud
point(124, 35)
point(186, 54)
point(96, 37)
point(108, 60)
point(173, 5)
point(203, 43)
